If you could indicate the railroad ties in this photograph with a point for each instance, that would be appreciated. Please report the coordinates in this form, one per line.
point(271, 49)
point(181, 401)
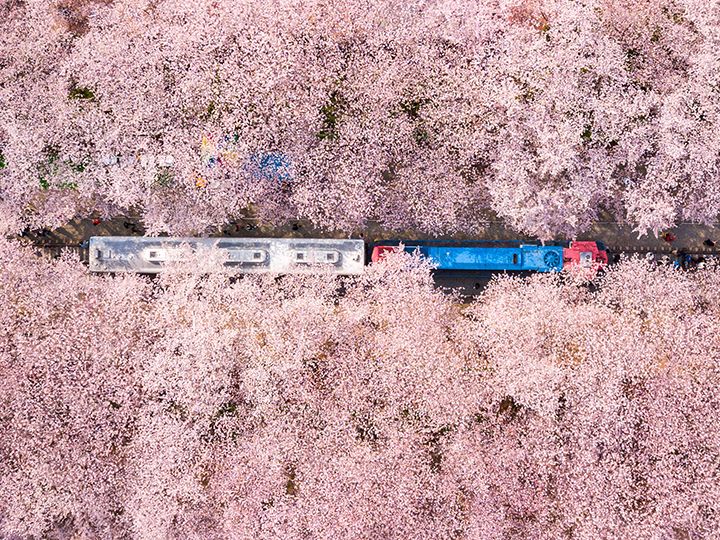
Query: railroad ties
point(298, 254)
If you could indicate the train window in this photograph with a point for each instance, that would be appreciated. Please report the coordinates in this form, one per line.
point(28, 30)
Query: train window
point(153, 254)
point(330, 256)
point(515, 258)
point(300, 256)
point(257, 255)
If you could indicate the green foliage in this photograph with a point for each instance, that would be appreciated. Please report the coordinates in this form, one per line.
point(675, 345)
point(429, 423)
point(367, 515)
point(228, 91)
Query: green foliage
point(674, 16)
point(632, 58)
point(82, 93)
point(68, 185)
point(3, 163)
point(331, 113)
point(52, 165)
point(77, 167)
point(164, 177)
point(227, 409)
point(291, 486)
point(177, 411)
point(527, 93)
point(209, 110)
point(421, 136)
point(412, 107)
point(45, 184)
point(586, 135)
point(49, 167)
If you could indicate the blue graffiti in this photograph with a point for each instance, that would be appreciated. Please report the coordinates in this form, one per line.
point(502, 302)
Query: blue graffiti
point(271, 166)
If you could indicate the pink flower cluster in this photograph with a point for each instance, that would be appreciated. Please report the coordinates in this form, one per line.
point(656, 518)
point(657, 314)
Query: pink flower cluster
point(200, 407)
point(423, 115)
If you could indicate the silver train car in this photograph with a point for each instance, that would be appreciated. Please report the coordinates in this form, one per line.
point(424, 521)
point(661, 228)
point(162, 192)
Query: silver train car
point(149, 255)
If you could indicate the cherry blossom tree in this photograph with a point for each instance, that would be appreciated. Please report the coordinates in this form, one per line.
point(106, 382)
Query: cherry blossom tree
point(202, 405)
point(423, 116)
point(604, 410)
point(69, 354)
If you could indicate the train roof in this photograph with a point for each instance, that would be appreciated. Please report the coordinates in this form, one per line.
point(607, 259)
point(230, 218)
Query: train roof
point(149, 255)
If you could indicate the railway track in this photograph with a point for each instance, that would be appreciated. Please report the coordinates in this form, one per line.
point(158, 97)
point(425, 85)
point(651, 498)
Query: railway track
point(468, 284)
point(131, 225)
point(699, 250)
point(52, 248)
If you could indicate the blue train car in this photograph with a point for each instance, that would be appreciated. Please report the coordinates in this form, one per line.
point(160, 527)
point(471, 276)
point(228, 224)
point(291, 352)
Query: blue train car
point(499, 256)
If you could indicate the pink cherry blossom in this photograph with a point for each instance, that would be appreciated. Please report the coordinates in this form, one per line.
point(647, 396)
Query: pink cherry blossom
point(425, 116)
point(199, 405)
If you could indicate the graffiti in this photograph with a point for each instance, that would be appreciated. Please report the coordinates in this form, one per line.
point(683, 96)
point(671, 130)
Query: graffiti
point(224, 151)
point(214, 153)
point(271, 166)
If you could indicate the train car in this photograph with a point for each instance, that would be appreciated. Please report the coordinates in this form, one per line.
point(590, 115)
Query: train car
point(149, 255)
point(501, 256)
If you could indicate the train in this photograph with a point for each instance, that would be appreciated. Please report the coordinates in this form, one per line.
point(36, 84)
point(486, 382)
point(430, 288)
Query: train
point(149, 255)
